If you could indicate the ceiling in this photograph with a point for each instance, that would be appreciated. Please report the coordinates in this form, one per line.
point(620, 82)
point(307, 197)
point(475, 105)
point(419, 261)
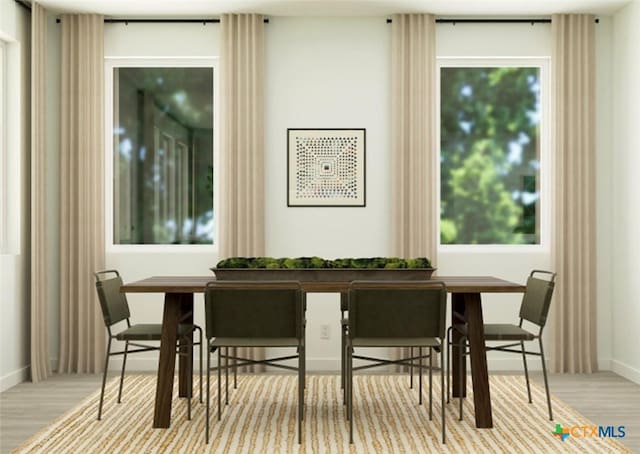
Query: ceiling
point(458, 8)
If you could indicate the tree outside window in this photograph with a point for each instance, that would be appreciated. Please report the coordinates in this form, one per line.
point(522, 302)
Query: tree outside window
point(489, 156)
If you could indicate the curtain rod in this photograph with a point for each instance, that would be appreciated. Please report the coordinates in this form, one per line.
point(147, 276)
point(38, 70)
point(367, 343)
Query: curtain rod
point(161, 21)
point(25, 4)
point(493, 21)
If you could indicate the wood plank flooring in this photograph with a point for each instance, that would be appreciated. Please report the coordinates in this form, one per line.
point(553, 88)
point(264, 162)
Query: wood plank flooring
point(605, 398)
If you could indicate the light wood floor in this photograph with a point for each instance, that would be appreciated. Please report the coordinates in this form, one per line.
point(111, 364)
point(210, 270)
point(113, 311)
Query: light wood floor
point(604, 398)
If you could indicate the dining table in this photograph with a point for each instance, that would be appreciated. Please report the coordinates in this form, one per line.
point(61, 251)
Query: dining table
point(466, 305)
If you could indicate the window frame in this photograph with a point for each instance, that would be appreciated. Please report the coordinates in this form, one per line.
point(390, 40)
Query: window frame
point(546, 169)
point(155, 62)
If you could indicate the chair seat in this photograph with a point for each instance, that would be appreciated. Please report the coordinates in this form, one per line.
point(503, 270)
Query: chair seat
point(395, 342)
point(149, 332)
point(255, 342)
point(502, 332)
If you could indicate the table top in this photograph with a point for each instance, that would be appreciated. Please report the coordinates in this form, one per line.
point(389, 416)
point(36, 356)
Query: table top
point(197, 284)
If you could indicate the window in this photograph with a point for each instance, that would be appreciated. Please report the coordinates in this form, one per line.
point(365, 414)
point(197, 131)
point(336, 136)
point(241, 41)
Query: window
point(163, 170)
point(490, 153)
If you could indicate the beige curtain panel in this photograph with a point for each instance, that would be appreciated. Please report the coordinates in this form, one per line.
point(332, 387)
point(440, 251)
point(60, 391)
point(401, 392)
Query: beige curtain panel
point(82, 336)
point(413, 135)
point(574, 250)
point(414, 152)
point(40, 363)
point(242, 141)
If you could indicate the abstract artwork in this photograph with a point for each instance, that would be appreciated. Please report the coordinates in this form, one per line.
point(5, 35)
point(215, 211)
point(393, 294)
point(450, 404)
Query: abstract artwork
point(326, 167)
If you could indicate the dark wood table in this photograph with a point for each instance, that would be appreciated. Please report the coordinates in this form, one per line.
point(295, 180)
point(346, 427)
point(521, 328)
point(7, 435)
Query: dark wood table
point(178, 308)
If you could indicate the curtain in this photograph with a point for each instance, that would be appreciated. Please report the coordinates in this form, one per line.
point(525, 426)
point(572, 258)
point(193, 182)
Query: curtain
point(242, 141)
point(574, 250)
point(40, 363)
point(413, 144)
point(82, 332)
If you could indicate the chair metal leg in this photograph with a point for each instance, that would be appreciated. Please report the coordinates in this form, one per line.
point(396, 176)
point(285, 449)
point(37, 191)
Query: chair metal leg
point(201, 362)
point(347, 368)
point(411, 367)
point(462, 376)
point(448, 363)
point(345, 395)
point(189, 348)
point(526, 371)
point(226, 375)
point(235, 368)
point(430, 384)
point(419, 375)
point(350, 386)
point(104, 379)
point(546, 380)
point(219, 380)
point(300, 392)
point(208, 377)
point(124, 364)
point(304, 376)
point(342, 346)
point(442, 391)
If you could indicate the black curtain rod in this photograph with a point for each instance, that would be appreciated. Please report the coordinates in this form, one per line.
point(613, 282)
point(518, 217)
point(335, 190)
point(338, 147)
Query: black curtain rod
point(162, 21)
point(26, 5)
point(492, 21)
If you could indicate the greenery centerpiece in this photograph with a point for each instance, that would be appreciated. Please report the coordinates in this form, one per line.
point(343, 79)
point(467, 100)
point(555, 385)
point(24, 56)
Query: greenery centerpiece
point(320, 269)
point(318, 262)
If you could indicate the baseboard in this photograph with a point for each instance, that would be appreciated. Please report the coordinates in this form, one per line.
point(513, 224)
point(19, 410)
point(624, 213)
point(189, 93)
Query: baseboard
point(604, 364)
point(626, 371)
point(14, 378)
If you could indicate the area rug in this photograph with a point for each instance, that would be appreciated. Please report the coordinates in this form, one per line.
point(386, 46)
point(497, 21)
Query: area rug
point(261, 417)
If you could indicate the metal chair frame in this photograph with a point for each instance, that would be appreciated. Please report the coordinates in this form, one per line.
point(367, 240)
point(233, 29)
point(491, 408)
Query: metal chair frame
point(410, 361)
point(463, 347)
point(188, 353)
point(240, 361)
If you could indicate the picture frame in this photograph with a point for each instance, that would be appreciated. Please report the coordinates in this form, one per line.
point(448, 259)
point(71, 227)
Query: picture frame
point(326, 167)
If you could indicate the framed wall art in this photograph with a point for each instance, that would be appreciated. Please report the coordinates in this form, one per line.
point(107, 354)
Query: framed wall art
point(326, 167)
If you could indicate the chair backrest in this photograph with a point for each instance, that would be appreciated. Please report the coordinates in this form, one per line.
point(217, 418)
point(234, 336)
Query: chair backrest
point(537, 298)
point(252, 309)
point(113, 303)
point(393, 309)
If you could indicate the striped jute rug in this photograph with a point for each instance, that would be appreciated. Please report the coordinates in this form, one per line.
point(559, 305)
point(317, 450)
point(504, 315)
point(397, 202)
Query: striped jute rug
point(261, 417)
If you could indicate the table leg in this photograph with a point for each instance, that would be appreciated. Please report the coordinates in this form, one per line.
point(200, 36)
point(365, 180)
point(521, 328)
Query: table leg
point(167, 361)
point(457, 310)
point(479, 373)
point(185, 365)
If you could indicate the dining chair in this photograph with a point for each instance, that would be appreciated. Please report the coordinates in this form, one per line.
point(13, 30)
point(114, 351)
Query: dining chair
point(396, 314)
point(254, 314)
point(115, 309)
point(534, 309)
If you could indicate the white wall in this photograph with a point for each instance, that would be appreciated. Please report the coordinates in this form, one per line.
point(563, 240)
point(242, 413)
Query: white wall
point(626, 187)
point(14, 303)
point(334, 72)
point(327, 73)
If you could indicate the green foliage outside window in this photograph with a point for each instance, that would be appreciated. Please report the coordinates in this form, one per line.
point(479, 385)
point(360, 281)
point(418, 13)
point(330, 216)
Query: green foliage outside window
point(490, 155)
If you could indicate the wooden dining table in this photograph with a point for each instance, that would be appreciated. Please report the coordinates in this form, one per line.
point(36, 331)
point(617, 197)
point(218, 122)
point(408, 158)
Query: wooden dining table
point(466, 308)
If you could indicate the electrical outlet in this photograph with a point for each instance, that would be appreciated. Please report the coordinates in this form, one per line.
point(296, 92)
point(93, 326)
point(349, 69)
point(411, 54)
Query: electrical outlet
point(324, 331)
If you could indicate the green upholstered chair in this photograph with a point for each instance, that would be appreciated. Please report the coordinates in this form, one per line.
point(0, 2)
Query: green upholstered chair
point(115, 310)
point(534, 310)
point(254, 314)
point(395, 314)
